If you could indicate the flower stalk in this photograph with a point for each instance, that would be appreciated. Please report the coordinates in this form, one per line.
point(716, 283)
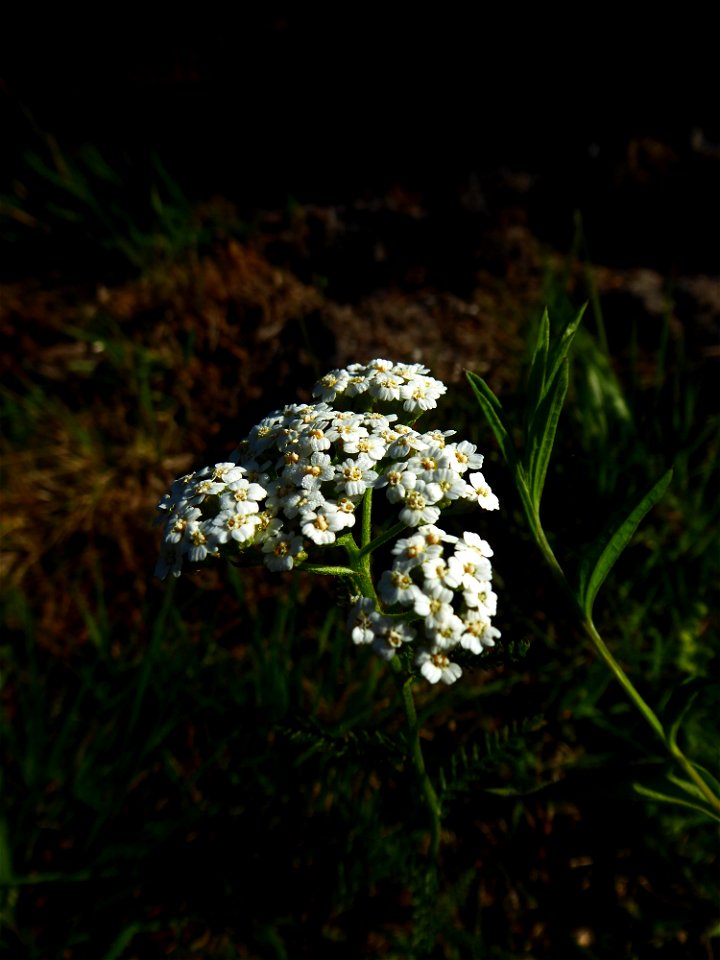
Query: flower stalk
point(547, 389)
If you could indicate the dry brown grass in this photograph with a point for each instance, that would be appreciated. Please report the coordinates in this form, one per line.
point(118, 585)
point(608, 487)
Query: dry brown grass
point(111, 393)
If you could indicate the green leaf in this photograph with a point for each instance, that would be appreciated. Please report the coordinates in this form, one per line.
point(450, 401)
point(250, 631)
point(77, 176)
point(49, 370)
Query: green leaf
point(667, 798)
point(687, 786)
point(538, 364)
point(491, 407)
point(708, 777)
point(602, 559)
point(542, 437)
point(679, 703)
point(561, 346)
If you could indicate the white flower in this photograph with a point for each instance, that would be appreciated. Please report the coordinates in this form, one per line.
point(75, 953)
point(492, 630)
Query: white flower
point(313, 472)
point(329, 386)
point(479, 596)
point(262, 436)
point(451, 484)
point(354, 476)
point(390, 635)
point(178, 521)
point(228, 471)
point(277, 494)
point(421, 393)
point(281, 549)
point(446, 635)
point(386, 387)
point(436, 666)
point(299, 501)
point(242, 497)
point(363, 621)
point(379, 366)
point(413, 551)
point(388, 382)
point(434, 535)
point(198, 540)
point(439, 437)
point(396, 587)
point(356, 386)
point(474, 542)
point(398, 481)
point(372, 446)
point(314, 440)
point(436, 610)
point(203, 486)
point(478, 632)
point(467, 566)
point(479, 490)
point(322, 524)
point(403, 442)
point(347, 430)
point(465, 456)
point(419, 503)
point(235, 526)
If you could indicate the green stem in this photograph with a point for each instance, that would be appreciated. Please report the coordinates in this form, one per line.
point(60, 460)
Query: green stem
point(359, 564)
point(645, 709)
point(589, 627)
point(429, 795)
point(384, 537)
point(602, 649)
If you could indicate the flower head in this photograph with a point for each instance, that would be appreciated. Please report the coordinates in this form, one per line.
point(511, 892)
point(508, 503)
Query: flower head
point(295, 486)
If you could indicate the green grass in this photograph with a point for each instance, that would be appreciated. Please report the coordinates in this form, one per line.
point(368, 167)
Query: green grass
point(207, 768)
point(117, 217)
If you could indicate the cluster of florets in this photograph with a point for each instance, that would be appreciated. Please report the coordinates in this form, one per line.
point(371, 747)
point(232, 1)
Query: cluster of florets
point(293, 486)
point(451, 594)
point(385, 381)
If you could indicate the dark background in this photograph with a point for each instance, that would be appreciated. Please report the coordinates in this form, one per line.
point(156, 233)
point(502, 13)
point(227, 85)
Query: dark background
point(616, 117)
point(394, 182)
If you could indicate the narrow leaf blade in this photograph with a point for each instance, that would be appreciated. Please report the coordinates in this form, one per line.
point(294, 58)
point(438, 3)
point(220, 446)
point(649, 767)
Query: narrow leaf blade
point(538, 365)
point(542, 444)
point(562, 346)
point(594, 574)
point(667, 798)
point(491, 407)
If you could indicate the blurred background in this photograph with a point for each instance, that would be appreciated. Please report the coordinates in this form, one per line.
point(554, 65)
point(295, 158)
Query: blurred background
point(200, 216)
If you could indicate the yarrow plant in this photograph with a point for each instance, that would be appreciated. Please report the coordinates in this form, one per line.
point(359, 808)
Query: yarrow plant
point(299, 483)
point(351, 476)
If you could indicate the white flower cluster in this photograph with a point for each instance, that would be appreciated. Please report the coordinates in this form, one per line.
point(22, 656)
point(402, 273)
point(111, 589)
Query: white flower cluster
point(293, 485)
point(383, 380)
point(452, 595)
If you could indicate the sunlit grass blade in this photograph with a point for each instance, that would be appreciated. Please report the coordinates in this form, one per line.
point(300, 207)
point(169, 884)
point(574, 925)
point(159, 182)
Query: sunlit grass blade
point(543, 433)
point(491, 407)
point(600, 562)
